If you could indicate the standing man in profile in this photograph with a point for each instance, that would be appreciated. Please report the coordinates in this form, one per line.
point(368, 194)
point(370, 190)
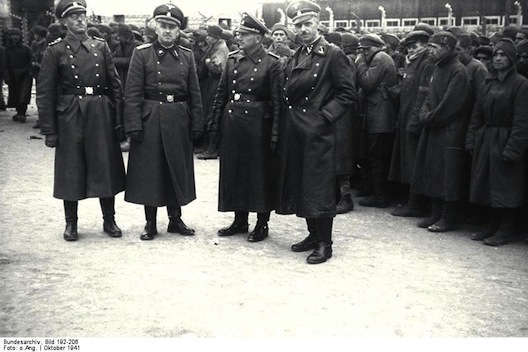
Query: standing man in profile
point(163, 113)
point(319, 89)
point(248, 106)
point(80, 101)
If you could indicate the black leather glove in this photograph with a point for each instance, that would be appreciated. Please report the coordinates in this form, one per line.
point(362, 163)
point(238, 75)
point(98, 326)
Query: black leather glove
point(120, 134)
point(196, 135)
point(136, 136)
point(52, 140)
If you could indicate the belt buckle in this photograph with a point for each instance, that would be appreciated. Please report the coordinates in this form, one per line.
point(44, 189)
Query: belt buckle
point(170, 98)
point(88, 90)
point(237, 96)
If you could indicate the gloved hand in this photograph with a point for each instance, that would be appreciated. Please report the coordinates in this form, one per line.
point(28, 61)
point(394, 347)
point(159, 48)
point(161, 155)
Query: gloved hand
point(120, 134)
point(196, 135)
point(136, 136)
point(52, 140)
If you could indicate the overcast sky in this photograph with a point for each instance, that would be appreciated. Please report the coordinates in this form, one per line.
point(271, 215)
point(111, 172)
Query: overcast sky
point(189, 7)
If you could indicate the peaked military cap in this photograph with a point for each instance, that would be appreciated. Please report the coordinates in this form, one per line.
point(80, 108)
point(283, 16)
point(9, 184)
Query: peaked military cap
point(444, 38)
point(66, 7)
point(416, 36)
point(250, 24)
point(169, 13)
point(370, 39)
point(302, 10)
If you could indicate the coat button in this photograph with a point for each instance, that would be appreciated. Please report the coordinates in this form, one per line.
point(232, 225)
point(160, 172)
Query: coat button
point(80, 96)
point(96, 65)
point(289, 107)
point(235, 71)
point(252, 79)
point(71, 56)
point(76, 77)
point(234, 81)
point(229, 111)
point(95, 54)
point(96, 75)
point(255, 69)
point(72, 66)
point(315, 75)
point(245, 112)
point(304, 110)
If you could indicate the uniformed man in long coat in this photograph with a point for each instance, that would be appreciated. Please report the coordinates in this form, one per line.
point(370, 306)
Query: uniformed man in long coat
point(248, 105)
point(318, 90)
point(439, 167)
point(163, 113)
point(79, 99)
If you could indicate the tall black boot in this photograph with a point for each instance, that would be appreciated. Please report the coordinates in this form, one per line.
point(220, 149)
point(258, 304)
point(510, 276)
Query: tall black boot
point(311, 240)
point(108, 210)
point(176, 224)
point(261, 229)
point(436, 214)
point(448, 221)
point(212, 147)
point(506, 233)
point(150, 229)
point(70, 213)
point(239, 225)
point(323, 248)
point(380, 198)
point(346, 203)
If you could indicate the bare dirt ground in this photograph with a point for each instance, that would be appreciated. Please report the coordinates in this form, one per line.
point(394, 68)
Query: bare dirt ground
point(387, 278)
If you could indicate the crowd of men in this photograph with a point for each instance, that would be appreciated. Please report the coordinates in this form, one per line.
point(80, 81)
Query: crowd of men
point(298, 116)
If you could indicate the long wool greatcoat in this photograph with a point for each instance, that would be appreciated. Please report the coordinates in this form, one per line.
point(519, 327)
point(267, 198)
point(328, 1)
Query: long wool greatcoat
point(439, 167)
point(414, 91)
point(161, 167)
point(17, 72)
point(319, 90)
point(249, 96)
point(88, 160)
point(498, 136)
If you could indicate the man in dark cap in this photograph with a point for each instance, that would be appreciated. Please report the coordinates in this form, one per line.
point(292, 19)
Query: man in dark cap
point(80, 104)
point(392, 48)
point(498, 142)
point(439, 169)
point(424, 27)
point(163, 113)
point(248, 106)
point(483, 54)
point(214, 61)
point(55, 31)
point(38, 47)
point(17, 73)
point(376, 72)
point(522, 62)
point(319, 89)
point(282, 40)
point(417, 72)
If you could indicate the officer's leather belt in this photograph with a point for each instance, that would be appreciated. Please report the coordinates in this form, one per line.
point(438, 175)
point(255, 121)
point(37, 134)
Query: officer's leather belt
point(243, 98)
point(166, 97)
point(86, 91)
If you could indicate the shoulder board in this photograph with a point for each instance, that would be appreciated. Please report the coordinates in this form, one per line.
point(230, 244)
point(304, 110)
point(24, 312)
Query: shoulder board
point(98, 38)
point(273, 55)
point(58, 40)
point(144, 46)
point(232, 53)
point(184, 48)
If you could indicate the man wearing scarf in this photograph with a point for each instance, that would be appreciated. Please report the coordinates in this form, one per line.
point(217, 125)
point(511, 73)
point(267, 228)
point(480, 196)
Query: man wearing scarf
point(418, 69)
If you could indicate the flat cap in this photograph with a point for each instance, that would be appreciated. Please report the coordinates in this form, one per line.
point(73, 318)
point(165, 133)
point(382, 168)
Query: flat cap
point(424, 27)
point(250, 24)
point(444, 38)
point(370, 39)
point(484, 49)
point(302, 10)
point(55, 30)
point(483, 40)
point(170, 13)
point(199, 34)
point(323, 29)
point(40, 30)
point(103, 28)
point(511, 31)
point(416, 36)
point(65, 7)
point(214, 31)
point(334, 38)
point(349, 40)
point(390, 39)
point(227, 35)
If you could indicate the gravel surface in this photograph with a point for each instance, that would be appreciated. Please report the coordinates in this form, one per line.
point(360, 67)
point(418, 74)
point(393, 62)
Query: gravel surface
point(387, 277)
